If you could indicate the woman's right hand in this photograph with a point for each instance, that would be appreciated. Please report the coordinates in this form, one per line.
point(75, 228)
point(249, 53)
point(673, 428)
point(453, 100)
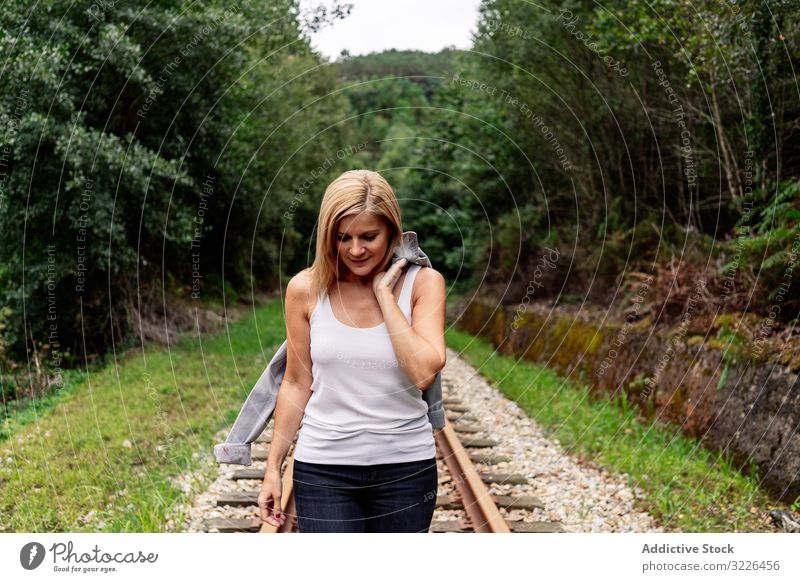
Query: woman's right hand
point(269, 499)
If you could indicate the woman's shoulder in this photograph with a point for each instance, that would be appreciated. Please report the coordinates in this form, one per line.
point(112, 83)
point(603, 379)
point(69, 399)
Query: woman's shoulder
point(429, 274)
point(299, 283)
point(298, 290)
point(428, 280)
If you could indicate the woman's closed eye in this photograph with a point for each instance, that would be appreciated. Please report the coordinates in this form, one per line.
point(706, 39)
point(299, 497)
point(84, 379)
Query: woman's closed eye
point(366, 238)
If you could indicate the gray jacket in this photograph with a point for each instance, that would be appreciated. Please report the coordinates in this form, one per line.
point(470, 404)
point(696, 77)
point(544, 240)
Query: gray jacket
point(260, 404)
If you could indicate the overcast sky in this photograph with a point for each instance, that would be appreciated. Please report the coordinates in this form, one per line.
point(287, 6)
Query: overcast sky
point(376, 25)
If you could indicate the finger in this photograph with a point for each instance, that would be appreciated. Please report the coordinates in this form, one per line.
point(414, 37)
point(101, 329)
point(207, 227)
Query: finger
point(394, 271)
point(276, 512)
point(400, 264)
point(395, 279)
point(276, 519)
point(262, 507)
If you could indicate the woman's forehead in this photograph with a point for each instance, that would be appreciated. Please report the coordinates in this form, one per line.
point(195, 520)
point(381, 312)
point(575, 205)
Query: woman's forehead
point(362, 222)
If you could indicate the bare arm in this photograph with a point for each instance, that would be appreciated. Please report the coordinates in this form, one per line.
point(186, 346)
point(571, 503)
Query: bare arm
point(420, 347)
point(295, 389)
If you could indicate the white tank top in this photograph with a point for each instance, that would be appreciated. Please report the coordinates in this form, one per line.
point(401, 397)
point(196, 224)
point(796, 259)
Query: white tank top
point(363, 409)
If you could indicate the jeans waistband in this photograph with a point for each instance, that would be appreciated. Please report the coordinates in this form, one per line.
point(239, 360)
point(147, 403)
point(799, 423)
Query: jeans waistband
point(379, 466)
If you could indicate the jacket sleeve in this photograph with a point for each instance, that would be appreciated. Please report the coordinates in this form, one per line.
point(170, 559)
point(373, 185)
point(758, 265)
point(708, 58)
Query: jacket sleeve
point(255, 413)
point(433, 397)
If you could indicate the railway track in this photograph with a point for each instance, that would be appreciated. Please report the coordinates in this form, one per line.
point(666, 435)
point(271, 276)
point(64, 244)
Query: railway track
point(464, 503)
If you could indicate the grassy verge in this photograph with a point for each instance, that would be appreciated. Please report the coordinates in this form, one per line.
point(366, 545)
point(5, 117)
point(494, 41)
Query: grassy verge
point(105, 454)
point(15, 414)
point(686, 488)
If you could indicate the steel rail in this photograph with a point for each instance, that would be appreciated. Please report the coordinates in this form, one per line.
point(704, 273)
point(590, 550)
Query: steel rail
point(481, 509)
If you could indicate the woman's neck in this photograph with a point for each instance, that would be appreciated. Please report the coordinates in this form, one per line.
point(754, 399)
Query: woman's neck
point(357, 281)
point(362, 281)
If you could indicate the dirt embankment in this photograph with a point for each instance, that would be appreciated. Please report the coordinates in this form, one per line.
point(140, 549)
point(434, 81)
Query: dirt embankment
point(729, 380)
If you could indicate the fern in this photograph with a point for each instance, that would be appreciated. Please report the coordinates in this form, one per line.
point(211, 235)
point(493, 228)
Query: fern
point(771, 238)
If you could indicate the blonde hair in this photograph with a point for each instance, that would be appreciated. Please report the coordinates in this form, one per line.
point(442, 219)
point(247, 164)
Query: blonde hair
point(353, 192)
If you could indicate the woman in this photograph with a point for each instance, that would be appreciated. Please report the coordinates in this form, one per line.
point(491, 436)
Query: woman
point(363, 342)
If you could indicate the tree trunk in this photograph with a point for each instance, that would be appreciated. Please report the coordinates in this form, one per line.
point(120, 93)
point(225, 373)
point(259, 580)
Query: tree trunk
point(728, 164)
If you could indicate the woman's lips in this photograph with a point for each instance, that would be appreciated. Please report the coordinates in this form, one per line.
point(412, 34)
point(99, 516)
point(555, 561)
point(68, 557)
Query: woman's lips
point(362, 261)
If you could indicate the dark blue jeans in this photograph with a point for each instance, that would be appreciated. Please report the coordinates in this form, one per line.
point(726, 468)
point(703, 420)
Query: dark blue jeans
point(392, 497)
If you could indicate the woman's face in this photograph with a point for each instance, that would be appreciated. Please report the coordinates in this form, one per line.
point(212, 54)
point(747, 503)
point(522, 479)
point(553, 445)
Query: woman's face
point(361, 242)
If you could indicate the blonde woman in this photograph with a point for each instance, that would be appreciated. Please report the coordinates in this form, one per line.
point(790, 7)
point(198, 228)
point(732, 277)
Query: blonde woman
point(364, 340)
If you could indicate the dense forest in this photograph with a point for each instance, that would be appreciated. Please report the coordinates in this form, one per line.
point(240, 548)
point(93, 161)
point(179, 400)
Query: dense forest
point(179, 151)
point(149, 154)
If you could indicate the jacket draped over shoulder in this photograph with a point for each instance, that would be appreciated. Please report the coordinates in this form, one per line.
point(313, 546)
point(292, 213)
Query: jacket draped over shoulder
point(257, 410)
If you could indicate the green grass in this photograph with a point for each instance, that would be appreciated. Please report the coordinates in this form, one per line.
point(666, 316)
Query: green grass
point(686, 488)
point(110, 446)
point(15, 414)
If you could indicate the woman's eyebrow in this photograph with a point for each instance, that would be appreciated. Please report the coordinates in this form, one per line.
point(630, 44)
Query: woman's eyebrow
point(375, 231)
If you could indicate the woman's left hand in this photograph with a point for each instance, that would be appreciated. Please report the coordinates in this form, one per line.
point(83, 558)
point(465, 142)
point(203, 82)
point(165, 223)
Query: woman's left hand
point(384, 282)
